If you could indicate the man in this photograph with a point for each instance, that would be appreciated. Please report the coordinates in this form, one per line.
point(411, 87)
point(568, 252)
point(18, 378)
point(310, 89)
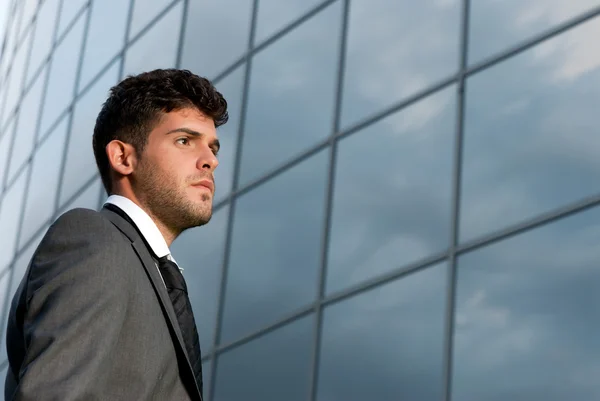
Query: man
point(102, 312)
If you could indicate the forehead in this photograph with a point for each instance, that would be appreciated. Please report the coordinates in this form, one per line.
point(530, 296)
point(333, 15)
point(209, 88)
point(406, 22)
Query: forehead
point(189, 118)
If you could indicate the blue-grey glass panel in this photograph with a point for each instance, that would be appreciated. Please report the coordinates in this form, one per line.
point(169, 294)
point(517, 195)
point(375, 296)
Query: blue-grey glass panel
point(15, 79)
point(11, 38)
point(5, 300)
point(273, 15)
point(22, 261)
point(274, 261)
point(144, 11)
point(231, 87)
point(497, 25)
point(526, 317)
point(227, 24)
point(10, 217)
point(3, 370)
point(158, 47)
point(391, 337)
point(88, 198)
point(44, 35)
point(43, 183)
point(395, 49)
point(531, 133)
point(199, 252)
point(29, 9)
point(68, 12)
point(80, 164)
point(292, 90)
point(206, 372)
point(5, 144)
point(395, 209)
point(28, 118)
point(274, 367)
point(61, 82)
point(103, 44)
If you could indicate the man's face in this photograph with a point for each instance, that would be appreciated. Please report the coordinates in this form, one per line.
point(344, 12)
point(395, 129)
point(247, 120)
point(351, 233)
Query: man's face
point(174, 177)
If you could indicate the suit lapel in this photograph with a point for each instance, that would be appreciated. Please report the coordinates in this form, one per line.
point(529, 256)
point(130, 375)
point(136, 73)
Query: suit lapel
point(153, 273)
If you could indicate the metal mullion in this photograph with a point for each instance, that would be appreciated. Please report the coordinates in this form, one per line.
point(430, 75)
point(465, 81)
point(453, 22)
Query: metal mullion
point(184, 18)
point(455, 206)
point(71, 108)
point(231, 214)
point(329, 193)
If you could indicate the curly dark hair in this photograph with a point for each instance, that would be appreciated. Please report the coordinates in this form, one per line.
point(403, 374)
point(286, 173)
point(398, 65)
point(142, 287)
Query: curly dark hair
point(136, 104)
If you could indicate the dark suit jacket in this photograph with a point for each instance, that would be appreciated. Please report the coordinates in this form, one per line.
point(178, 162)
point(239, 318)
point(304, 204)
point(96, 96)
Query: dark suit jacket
point(92, 319)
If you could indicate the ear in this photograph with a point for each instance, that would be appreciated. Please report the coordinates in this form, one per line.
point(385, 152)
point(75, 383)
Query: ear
point(121, 157)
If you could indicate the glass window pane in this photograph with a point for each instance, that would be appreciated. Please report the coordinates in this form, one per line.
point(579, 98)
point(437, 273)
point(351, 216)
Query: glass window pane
point(527, 312)
point(275, 367)
point(158, 47)
point(80, 163)
point(44, 36)
point(199, 252)
point(206, 372)
point(497, 25)
point(392, 338)
point(275, 250)
point(5, 144)
point(231, 87)
point(531, 133)
point(227, 23)
point(68, 12)
point(291, 94)
point(89, 198)
point(61, 83)
point(274, 15)
point(11, 38)
point(146, 10)
point(44, 181)
point(395, 49)
point(103, 44)
point(29, 9)
point(396, 210)
point(15, 79)
point(27, 124)
point(10, 215)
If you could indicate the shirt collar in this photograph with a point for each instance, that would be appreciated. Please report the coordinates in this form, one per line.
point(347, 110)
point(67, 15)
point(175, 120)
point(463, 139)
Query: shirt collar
point(144, 223)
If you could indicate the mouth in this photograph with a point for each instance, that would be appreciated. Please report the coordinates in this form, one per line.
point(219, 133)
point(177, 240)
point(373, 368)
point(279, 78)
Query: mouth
point(208, 184)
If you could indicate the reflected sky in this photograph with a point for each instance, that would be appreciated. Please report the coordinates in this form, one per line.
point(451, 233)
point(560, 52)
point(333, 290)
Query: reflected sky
point(526, 309)
point(526, 318)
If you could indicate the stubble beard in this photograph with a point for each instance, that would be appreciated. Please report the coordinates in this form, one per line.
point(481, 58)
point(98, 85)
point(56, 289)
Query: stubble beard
point(167, 202)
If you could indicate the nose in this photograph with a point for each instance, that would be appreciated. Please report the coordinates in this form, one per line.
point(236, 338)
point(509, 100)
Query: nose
point(207, 159)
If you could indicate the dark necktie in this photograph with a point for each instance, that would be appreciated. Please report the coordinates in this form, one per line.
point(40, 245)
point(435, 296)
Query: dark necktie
point(177, 289)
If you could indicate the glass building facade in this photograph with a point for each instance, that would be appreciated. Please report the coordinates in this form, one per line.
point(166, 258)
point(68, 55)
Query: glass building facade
point(408, 193)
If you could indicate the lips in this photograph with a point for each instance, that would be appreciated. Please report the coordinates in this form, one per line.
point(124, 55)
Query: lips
point(206, 184)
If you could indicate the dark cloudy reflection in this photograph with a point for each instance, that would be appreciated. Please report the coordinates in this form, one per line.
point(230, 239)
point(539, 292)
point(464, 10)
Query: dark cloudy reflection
point(386, 344)
point(199, 251)
point(497, 25)
point(531, 133)
point(290, 104)
point(395, 49)
point(216, 35)
point(527, 323)
point(231, 88)
point(393, 191)
point(275, 367)
point(274, 15)
point(274, 262)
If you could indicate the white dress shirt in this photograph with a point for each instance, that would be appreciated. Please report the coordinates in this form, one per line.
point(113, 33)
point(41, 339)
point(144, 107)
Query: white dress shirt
point(145, 224)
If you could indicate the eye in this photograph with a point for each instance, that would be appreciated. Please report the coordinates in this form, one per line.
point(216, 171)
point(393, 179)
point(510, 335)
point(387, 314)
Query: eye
point(183, 140)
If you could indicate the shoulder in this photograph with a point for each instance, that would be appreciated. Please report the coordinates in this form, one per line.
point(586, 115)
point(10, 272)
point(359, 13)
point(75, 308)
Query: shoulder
point(81, 242)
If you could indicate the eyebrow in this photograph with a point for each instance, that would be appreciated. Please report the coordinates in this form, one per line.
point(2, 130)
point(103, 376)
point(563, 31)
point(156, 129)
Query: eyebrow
point(192, 132)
